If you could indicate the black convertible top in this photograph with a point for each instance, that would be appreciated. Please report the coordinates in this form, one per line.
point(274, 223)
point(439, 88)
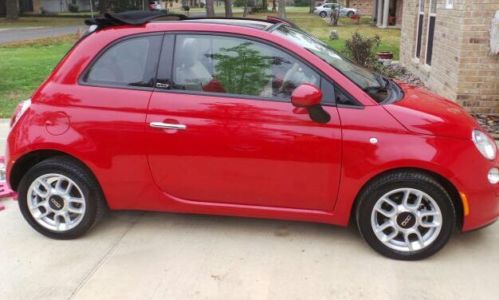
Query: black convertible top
point(140, 17)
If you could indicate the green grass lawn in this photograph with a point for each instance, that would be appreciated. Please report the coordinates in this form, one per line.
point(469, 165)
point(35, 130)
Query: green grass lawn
point(23, 66)
point(390, 38)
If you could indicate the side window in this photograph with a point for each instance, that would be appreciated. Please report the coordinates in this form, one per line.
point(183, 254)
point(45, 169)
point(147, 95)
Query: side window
point(131, 62)
point(231, 65)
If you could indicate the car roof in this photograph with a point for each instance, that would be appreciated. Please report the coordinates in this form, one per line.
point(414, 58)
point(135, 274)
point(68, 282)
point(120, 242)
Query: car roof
point(257, 24)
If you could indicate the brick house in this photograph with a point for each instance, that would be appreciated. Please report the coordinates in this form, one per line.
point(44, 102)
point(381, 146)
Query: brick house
point(364, 7)
point(447, 44)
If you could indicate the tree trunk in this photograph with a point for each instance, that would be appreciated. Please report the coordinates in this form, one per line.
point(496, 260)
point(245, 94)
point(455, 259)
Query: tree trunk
point(334, 17)
point(265, 5)
point(312, 6)
point(245, 9)
point(11, 9)
point(210, 10)
point(228, 8)
point(281, 9)
point(274, 6)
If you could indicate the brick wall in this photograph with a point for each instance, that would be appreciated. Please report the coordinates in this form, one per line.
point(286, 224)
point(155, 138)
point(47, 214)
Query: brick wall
point(364, 7)
point(461, 67)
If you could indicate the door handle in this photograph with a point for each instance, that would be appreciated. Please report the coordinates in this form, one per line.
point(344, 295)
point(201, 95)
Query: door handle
point(167, 126)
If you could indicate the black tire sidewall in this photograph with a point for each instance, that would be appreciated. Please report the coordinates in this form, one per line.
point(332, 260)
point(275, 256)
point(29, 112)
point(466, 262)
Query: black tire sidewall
point(75, 174)
point(323, 14)
point(435, 191)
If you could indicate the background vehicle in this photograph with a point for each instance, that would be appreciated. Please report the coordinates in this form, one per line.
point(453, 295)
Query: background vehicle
point(242, 117)
point(325, 9)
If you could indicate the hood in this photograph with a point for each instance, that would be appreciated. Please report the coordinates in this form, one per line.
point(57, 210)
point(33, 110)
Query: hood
point(423, 112)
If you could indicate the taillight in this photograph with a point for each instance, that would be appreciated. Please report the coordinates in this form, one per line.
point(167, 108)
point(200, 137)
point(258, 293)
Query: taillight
point(20, 110)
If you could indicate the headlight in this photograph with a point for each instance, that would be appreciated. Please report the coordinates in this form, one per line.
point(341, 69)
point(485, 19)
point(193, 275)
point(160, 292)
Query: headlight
point(484, 144)
point(493, 176)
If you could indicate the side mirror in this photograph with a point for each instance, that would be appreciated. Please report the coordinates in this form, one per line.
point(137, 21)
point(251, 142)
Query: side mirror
point(309, 96)
point(306, 95)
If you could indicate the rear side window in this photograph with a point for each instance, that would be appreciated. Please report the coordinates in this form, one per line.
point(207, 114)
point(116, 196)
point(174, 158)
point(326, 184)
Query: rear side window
point(131, 62)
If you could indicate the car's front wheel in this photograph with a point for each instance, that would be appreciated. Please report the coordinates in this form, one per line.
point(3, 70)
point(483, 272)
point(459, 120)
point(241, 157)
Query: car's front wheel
point(323, 14)
point(350, 14)
point(405, 215)
point(60, 198)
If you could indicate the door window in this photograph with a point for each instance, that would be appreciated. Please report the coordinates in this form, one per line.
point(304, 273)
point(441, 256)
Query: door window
point(230, 65)
point(131, 62)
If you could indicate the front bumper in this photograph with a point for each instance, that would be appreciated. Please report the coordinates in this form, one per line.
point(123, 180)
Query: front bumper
point(483, 208)
point(481, 196)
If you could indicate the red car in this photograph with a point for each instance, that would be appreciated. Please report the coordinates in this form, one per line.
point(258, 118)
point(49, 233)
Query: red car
point(251, 118)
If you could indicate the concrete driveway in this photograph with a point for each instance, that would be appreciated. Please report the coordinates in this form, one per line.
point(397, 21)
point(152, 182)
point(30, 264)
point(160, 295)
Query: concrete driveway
point(134, 255)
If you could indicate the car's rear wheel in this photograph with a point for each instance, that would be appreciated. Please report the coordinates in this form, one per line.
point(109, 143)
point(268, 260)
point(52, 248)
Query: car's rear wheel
point(323, 14)
point(350, 14)
point(405, 215)
point(60, 199)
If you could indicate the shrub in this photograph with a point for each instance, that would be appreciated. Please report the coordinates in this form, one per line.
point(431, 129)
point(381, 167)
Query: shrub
point(362, 50)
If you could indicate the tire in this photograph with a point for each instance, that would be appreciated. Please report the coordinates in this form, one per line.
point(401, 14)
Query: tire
point(381, 205)
point(64, 197)
point(350, 14)
point(323, 14)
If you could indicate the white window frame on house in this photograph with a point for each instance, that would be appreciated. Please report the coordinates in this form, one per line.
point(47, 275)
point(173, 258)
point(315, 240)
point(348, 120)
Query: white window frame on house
point(419, 24)
point(449, 4)
point(429, 46)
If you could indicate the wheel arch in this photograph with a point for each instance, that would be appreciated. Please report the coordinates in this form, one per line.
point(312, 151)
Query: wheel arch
point(28, 160)
point(449, 187)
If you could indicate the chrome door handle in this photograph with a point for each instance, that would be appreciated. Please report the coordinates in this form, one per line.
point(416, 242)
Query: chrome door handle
point(167, 125)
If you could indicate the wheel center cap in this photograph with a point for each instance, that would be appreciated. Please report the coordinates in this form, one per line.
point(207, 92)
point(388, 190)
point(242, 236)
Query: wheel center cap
point(406, 220)
point(56, 202)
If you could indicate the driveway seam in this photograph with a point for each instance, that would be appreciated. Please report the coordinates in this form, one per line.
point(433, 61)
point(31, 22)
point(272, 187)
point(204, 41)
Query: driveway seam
point(101, 261)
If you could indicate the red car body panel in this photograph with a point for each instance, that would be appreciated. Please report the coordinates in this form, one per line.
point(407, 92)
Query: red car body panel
point(246, 157)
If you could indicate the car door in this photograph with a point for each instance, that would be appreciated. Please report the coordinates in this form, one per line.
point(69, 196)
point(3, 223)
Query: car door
point(107, 110)
point(223, 130)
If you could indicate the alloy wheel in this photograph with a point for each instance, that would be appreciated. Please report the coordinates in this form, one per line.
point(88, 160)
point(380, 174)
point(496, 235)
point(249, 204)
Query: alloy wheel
point(406, 219)
point(56, 202)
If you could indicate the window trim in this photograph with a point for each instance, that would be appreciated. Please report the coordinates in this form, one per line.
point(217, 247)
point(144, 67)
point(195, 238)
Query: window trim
point(321, 74)
point(81, 79)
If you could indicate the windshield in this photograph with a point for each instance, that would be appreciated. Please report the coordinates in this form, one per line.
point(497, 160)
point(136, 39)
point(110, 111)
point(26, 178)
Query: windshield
point(362, 77)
